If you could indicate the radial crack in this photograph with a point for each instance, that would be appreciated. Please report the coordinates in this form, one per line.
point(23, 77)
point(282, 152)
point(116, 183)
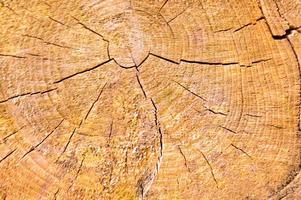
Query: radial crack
point(89, 29)
point(184, 157)
point(211, 169)
point(7, 155)
point(96, 100)
point(46, 42)
point(13, 56)
point(248, 24)
point(177, 15)
point(13, 133)
point(209, 63)
point(241, 150)
point(216, 112)
point(81, 72)
point(193, 93)
point(165, 2)
point(77, 173)
point(166, 59)
point(43, 140)
point(142, 89)
point(55, 194)
point(145, 183)
point(228, 129)
point(27, 94)
point(57, 21)
point(67, 144)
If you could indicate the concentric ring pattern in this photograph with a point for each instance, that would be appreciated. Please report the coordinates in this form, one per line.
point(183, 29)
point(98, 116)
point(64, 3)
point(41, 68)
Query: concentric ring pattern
point(144, 99)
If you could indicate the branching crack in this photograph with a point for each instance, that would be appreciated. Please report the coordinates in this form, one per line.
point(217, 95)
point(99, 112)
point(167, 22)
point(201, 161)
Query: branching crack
point(81, 72)
point(43, 140)
point(287, 31)
point(166, 59)
point(177, 15)
point(27, 94)
point(244, 152)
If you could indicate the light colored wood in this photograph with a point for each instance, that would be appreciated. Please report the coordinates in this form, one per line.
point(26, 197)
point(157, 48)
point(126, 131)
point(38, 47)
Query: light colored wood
point(145, 99)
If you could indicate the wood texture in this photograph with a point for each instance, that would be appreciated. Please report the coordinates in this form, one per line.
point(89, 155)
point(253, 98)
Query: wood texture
point(150, 99)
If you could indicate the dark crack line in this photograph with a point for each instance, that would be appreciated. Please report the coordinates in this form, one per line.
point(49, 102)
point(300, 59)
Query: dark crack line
point(57, 21)
point(166, 59)
point(7, 155)
point(13, 133)
point(163, 5)
point(209, 63)
point(46, 42)
point(251, 115)
point(81, 72)
point(191, 92)
point(96, 100)
point(77, 173)
point(32, 54)
point(42, 141)
point(240, 149)
point(169, 21)
point(227, 129)
point(90, 29)
point(194, 62)
point(144, 185)
point(130, 67)
point(159, 131)
point(211, 169)
point(184, 157)
point(111, 130)
point(56, 193)
point(68, 142)
point(12, 56)
point(249, 24)
point(26, 94)
point(142, 89)
point(216, 112)
point(261, 60)
point(143, 61)
point(287, 31)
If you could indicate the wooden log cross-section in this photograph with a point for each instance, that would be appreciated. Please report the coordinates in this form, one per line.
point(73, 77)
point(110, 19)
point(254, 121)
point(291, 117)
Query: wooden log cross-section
point(150, 99)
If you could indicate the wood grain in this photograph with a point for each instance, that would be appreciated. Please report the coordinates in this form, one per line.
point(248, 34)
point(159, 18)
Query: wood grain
point(150, 99)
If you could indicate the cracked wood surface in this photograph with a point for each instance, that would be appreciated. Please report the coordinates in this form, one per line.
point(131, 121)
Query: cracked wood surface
point(145, 99)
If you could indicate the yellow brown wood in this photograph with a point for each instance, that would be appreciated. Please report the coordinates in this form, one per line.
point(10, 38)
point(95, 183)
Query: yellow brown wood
point(150, 99)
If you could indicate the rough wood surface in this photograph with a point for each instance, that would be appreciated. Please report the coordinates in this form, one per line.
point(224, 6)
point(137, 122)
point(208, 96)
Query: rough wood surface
point(150, 99)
